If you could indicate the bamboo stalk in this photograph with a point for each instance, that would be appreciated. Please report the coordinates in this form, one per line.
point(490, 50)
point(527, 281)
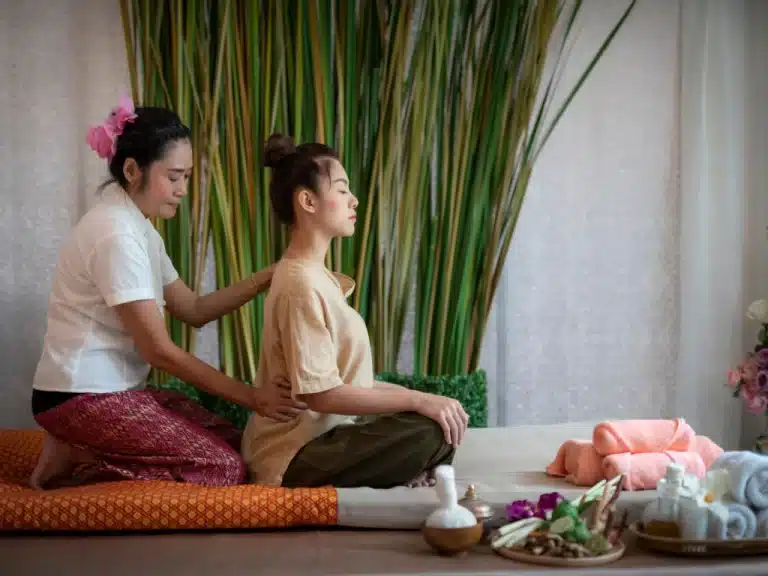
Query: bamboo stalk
point(436, 109)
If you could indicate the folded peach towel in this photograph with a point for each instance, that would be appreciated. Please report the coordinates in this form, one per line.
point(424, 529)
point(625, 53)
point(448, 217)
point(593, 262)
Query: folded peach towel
point(643, 471)
point(708, 450)
point(648, 446)
point(643, 436)
point(577, 462)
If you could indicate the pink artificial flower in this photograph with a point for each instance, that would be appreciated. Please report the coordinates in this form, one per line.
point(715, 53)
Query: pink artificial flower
point(121, 115)
point(751, 387)
point(749, 370)
point(103, 138)
point(755, 403)
point(100, 141)
point(734, 377)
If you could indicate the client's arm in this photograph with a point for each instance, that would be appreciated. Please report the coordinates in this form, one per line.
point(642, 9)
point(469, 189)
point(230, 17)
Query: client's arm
point(356, 401)
point(310, 357)
point(388, 386)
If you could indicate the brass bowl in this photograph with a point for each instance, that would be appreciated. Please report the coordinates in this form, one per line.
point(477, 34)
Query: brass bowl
point(452, 541)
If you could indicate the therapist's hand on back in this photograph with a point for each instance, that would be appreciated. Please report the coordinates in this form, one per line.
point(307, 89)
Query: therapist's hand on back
point(276, 402)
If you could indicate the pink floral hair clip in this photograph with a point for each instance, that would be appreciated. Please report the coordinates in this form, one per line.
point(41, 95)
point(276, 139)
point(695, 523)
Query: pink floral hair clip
point(103, 138)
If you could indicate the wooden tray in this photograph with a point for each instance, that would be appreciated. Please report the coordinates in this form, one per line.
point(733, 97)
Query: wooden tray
point(681, 547)
point(616, 553)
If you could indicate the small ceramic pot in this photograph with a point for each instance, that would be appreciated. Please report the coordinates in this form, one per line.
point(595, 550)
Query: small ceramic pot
point(453, 541)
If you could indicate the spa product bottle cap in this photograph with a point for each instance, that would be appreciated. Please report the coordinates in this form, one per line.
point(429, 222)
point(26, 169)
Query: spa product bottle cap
point(674, 473)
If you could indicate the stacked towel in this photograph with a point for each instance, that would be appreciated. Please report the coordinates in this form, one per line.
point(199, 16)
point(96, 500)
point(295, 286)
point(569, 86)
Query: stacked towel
point(716, 525)
point(640, 449)
point(762, 524)
point(742, 522)
point(578, 462)
point(749, 477)
point(643, 436)
point(728, 520)
point(748, 493)
point(708, 450)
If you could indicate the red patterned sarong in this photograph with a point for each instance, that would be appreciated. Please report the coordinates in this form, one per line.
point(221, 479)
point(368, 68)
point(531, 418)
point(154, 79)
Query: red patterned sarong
point(149, 435)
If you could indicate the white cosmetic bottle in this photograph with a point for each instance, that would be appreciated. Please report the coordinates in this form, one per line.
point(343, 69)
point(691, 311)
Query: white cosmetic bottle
point(661, 517)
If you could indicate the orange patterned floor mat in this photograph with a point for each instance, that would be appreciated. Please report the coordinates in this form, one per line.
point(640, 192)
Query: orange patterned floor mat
point(146, 506)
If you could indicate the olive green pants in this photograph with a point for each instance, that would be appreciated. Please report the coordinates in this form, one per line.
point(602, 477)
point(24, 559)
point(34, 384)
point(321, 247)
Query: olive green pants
point(376, 452)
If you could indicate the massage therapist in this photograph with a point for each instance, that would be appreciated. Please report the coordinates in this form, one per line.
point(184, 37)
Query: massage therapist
point(105, 329)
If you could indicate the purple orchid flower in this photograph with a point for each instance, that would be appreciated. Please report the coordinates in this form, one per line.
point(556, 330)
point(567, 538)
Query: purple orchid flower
point(547, 503)
point(520, 509)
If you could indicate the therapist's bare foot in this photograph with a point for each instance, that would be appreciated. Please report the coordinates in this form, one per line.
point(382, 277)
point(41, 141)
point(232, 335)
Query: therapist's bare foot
point(56, 461)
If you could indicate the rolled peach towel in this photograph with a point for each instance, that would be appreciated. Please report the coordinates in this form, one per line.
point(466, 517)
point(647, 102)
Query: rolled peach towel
point(578, 462)
point(643, 471)
point(708, 450)
point(642, 436)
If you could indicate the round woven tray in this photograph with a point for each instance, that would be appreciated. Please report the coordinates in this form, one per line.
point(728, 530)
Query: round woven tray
point(521, 556)
point(681, 547)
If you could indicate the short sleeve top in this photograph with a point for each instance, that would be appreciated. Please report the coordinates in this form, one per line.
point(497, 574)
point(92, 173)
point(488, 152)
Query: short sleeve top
point(113, 256)
point(315, 340)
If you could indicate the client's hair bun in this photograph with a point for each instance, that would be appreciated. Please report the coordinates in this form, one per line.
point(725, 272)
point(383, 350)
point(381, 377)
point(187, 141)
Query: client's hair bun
point(277, 148)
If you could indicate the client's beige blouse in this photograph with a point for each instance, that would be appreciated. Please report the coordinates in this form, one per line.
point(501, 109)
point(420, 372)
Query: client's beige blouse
point(316, 341)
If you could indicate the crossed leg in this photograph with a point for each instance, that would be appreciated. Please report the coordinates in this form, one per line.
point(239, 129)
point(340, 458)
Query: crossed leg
point(380, 452)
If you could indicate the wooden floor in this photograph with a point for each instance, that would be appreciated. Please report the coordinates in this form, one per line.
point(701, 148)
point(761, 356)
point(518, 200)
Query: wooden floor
point(302, 552)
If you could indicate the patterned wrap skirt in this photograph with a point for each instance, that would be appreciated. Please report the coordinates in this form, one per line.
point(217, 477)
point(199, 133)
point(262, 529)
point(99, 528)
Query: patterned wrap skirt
point(147, 435)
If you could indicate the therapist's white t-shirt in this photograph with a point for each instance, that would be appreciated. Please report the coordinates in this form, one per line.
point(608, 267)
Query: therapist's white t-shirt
point(113, 256)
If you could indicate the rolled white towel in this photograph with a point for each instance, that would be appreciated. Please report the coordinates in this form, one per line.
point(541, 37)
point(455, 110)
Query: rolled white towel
point(741, 524)
point(717, 521)
point(724, 520)
point(762, 524)
point(749, 477)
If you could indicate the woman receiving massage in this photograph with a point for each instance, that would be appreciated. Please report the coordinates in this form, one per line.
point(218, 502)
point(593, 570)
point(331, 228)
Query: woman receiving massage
point(357, 431)
point(105, 329)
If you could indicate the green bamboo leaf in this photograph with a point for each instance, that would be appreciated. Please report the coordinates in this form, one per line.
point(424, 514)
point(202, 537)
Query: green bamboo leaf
point(436, 109)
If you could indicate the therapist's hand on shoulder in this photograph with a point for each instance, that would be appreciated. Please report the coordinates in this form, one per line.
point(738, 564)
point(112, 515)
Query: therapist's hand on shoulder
point(262, 279)
point(276, 402)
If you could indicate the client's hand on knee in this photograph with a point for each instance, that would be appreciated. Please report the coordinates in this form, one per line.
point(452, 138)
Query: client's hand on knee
point(276, 402)
point(447, 412)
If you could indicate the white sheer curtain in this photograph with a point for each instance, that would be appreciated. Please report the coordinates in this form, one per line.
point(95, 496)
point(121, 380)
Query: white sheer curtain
point(585, 321)
point(644, 234)
point(756, 177)
point(724, 186)
point(62, 66)
point(713, 119)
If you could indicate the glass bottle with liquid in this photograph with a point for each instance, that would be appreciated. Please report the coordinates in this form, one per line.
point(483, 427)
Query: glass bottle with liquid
point(660, 517)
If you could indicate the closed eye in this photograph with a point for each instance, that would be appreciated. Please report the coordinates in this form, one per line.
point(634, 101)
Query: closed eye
point(175, 174)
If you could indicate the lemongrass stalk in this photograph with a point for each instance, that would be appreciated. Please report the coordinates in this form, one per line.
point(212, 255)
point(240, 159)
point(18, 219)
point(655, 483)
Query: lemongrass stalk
point(485, 151)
